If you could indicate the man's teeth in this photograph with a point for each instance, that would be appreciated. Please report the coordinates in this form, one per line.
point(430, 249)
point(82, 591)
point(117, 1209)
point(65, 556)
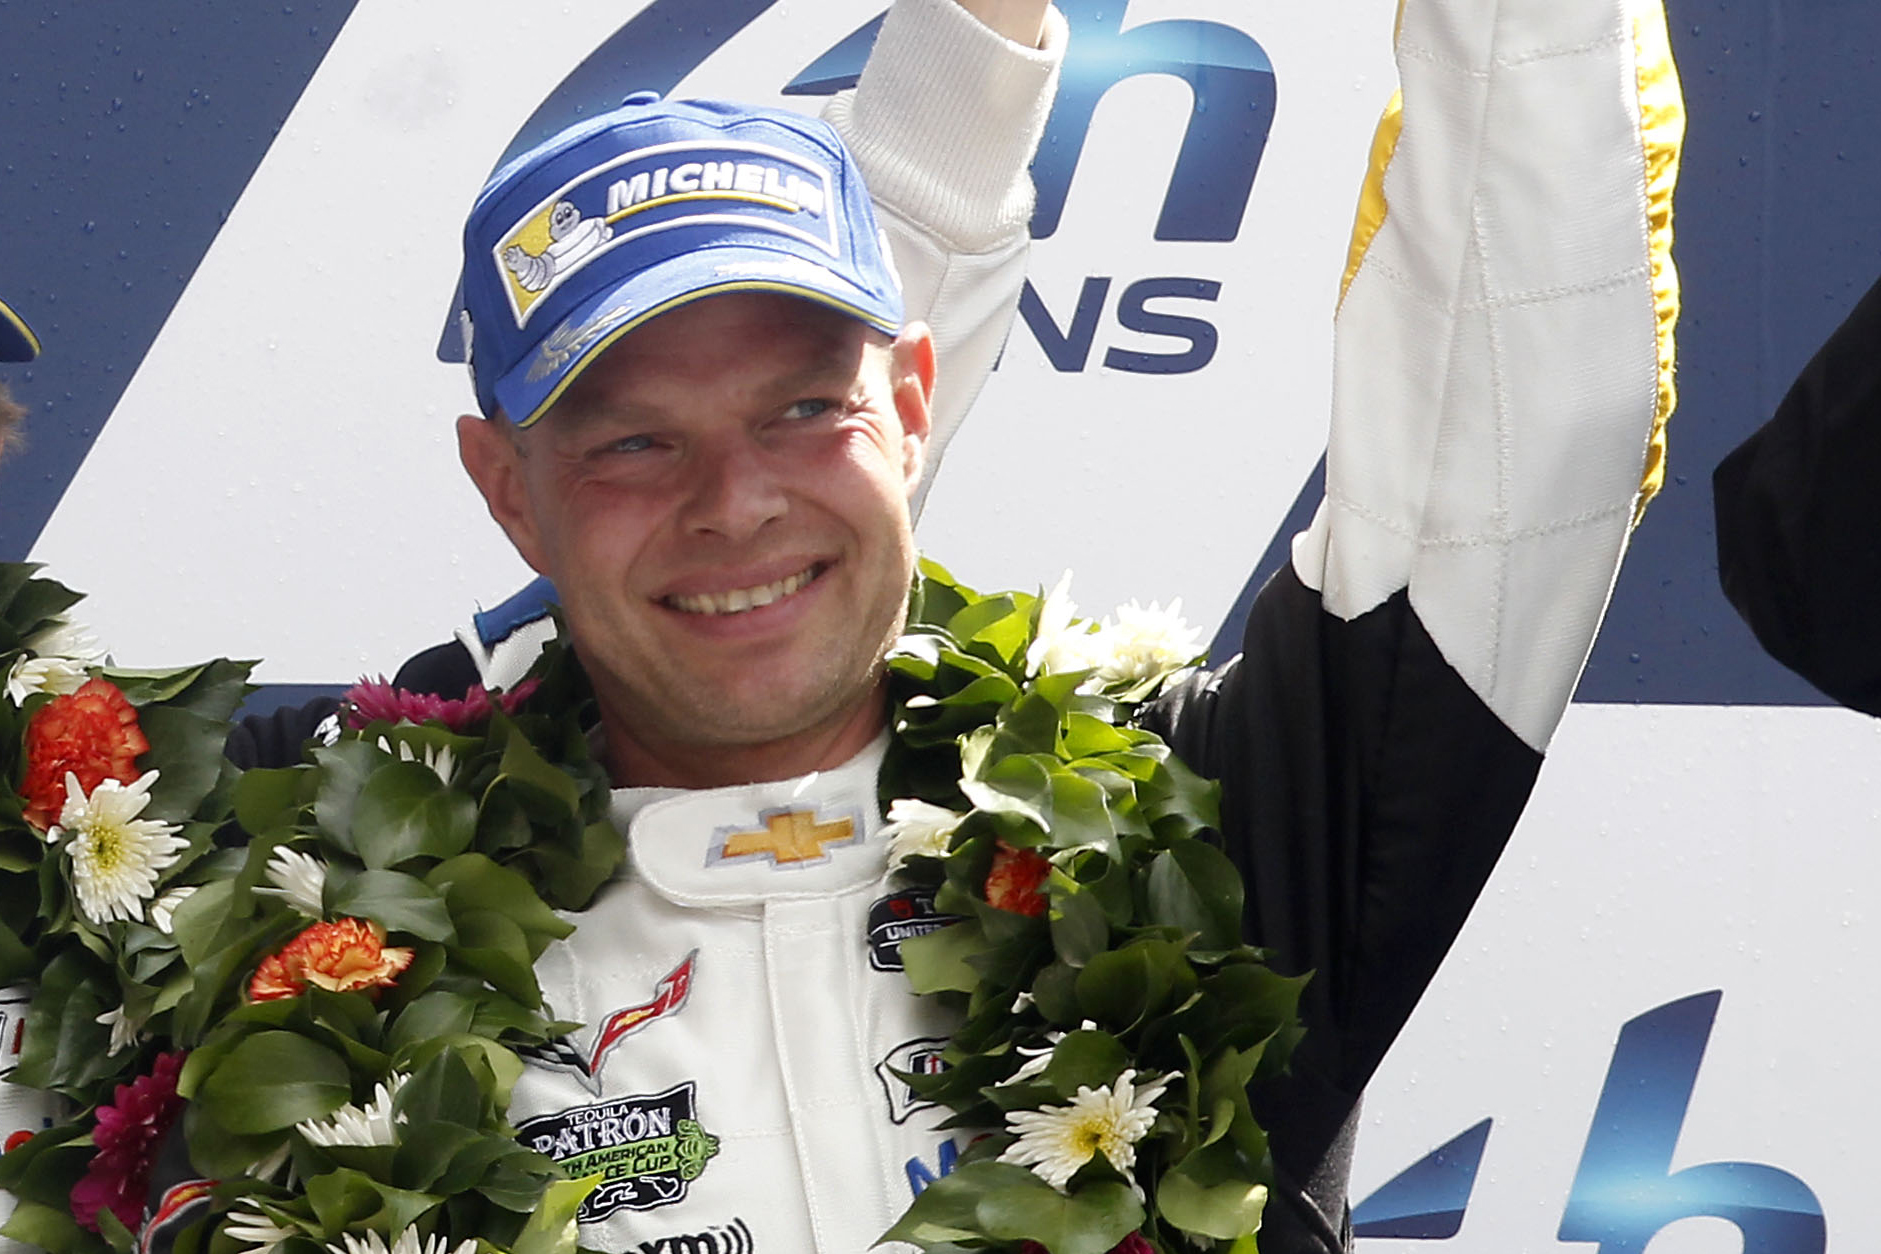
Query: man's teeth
point(738, 600)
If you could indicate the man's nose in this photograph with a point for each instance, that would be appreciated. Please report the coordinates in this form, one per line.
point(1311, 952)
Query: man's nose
point(733, 490)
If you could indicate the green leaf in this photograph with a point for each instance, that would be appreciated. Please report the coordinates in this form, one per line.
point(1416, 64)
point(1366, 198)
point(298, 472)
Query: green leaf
point(64, 1047)
point(1018, 785)
point(1002, 1202)
point(442, 1091)
point(521, 762)
point(1121, 987)
point(1085, 1059)
point(273, 1080)
point(267, 799)
point(436, 1013)
point(1080, 930)
point(1196, 894)
point(396, 901)
point(551, 1227)
point(569, 880)
point(347, 1197)
point(344, 769)
point(1091, 1220)
point(492, 945)
point(187, 748)
point(1206, 1193)
point(473, 882)
point(941, 960)
point(49, 1228)
point(405, 811)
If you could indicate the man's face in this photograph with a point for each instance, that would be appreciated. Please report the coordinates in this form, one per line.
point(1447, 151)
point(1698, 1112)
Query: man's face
point(721, 501)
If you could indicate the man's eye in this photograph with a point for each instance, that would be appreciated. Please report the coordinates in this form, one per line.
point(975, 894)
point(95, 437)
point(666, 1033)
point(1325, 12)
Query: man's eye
point(629, 444)
point(809, 409)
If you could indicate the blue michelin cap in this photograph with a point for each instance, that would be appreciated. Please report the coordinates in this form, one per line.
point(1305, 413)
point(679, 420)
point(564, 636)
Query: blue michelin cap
point(17, 341)
point(628, 215)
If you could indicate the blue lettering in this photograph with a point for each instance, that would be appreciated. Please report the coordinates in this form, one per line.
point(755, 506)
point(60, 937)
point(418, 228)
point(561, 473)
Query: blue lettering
point(1134, 314)
point(1069, 349)
point(919, 1177)
point(1230, 80)
point(1624, 1191)
point(1426, 1201)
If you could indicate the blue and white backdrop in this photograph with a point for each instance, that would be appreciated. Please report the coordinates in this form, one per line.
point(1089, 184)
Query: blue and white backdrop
point(235, 227)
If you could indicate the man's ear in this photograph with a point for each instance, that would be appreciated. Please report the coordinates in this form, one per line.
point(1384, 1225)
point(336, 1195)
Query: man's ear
point(911, 366)
point(488, 449)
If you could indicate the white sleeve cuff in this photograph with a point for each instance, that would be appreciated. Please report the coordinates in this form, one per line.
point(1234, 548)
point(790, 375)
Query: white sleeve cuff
point(946, 118)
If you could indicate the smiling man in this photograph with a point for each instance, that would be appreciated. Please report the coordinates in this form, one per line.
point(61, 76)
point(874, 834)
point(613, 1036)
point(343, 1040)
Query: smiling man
point(722, 501)
point(706, 417)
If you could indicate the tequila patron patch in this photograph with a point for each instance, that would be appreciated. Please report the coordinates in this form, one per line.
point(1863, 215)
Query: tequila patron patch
point(647, 1150)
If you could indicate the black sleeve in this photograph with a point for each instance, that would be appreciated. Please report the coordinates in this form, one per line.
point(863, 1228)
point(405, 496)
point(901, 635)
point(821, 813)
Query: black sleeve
point(444, 669)
point(1799, 518)
point(1366, 795)
point(269, 740)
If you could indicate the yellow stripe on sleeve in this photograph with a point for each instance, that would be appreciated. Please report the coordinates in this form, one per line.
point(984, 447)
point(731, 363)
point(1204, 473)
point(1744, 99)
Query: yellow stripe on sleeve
point(1371, 205)
point(1662, 128)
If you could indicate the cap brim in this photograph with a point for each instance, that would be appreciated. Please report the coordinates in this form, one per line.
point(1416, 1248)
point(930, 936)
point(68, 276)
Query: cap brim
point(538, 381)
point(17, 341)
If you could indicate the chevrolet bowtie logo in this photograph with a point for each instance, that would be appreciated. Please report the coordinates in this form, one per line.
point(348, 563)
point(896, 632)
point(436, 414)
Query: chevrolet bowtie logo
point(788, 838)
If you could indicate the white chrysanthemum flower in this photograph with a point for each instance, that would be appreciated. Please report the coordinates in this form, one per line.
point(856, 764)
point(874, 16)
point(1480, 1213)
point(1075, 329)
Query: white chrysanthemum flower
point(263, 1235)
point(163, 909)
point(352, 1125)
point(1054, 1141)
point(408, 1242)
point(57, 676)
point(65, 638)
point(299, 879)
point(441, 760)
point(1146, 643)
point(124, 1030)
point(1039, 1057)
point(917, 828)
point(116, 856)
point(55, 661)
point(1064, 642)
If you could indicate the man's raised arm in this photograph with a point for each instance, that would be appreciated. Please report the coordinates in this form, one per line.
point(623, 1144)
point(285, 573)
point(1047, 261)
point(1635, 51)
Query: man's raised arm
point(944, 123)
point(1502, 376)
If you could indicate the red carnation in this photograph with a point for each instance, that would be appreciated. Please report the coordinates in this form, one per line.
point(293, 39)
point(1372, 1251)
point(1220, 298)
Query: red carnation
point(377, 701)
point(128, 1135)
point(1017, 880)
point(93, 734)
point(341, 956)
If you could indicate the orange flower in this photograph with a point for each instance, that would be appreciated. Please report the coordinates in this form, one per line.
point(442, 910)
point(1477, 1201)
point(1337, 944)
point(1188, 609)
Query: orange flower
point(92, 733)
point(1016, 881)
point(344, 955)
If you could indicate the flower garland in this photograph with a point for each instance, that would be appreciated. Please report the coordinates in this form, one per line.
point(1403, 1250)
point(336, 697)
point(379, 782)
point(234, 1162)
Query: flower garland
point(333, 992)
point(1113, 1017)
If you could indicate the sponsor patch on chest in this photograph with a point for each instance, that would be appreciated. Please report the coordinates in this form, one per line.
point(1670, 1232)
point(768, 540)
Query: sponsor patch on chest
point(899, 917)
point(786, 839)
point(921, 1056)
point(731, 1238)
point(647, 1149)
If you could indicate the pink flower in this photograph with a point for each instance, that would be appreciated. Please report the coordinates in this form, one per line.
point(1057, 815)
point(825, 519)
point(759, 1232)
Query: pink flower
point(128, 1134)
point(377, 701)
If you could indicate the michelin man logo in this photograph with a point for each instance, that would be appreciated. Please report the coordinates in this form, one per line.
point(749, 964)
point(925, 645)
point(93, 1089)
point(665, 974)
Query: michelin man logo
point(571, 239)
point(749, 187)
